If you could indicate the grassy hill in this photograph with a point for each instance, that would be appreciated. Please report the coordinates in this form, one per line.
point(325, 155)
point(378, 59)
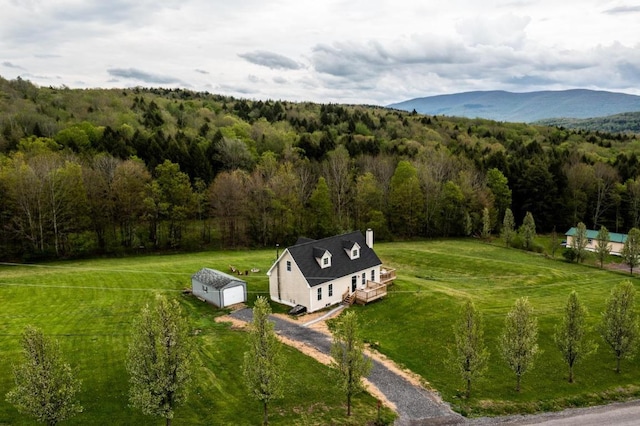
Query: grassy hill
point(524, 107)
point(89, 306)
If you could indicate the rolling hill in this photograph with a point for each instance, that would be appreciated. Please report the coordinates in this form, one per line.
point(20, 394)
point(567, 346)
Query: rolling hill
point(626, 122)
point(524, 107)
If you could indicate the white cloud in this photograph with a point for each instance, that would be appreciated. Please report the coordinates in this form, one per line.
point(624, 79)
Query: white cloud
point(354, 51)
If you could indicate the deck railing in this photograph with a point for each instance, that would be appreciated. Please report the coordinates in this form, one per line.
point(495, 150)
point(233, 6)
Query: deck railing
point(387, 275)
point(371, 292)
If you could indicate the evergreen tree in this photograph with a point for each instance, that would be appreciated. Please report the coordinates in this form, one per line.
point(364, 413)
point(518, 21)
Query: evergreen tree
point(45, 385)
point(518, 342)
point(570, 334)
point(263, 363)
point(619, 326)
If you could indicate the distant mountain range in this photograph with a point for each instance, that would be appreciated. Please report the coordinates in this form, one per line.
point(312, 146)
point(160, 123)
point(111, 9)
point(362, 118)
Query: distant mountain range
point(525, 107)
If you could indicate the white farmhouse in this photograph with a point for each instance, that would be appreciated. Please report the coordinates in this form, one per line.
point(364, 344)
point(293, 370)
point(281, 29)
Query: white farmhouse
point(316, 274)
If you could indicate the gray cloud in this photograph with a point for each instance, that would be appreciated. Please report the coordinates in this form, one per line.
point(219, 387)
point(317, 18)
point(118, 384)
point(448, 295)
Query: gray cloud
point(280, 80)
point(12, 65)
point(201, 71)
point(270, 60)
point(135, 74)
point(622, 9)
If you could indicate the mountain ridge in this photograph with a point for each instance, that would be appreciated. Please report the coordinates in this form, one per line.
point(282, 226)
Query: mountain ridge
point(528, 107)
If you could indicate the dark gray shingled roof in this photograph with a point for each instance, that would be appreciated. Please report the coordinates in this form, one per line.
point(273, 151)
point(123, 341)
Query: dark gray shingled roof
point(341, 263)
point(215, 278)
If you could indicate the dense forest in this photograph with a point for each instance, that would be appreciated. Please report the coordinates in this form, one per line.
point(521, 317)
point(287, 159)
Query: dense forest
point(106, 171)
point(628, 122)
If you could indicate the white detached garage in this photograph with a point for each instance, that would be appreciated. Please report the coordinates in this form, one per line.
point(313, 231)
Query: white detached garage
point(218, 288)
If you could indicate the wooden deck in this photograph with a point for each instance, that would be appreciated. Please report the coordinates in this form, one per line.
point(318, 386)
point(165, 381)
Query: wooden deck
point(373, 291)
point(387, 275)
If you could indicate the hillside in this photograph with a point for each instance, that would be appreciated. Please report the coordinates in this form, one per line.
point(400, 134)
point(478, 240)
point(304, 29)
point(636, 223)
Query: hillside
point(625, 122)
point(524, 107)
point(86, 172)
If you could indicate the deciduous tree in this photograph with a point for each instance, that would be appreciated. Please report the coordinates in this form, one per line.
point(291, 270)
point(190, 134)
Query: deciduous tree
point(631, 249)
point(518, 342)
point(349, 360)
point(46, 388)
point(528, 230)
point(486, 224)
point(508, 227)
point(321, 220)
point(570, 334)
point(499, 186)
point(580, 242)
point(471, 355)
point(159, 360)
point(263, 366)
point(405, 200)
point(603, 248)
point(619, 326)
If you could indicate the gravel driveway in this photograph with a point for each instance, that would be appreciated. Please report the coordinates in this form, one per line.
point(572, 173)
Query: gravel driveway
point(415, 405)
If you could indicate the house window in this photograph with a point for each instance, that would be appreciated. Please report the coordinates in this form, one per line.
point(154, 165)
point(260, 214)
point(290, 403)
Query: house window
point(205, 289)
point(355, 254)
point(319, 293)
point(364, 278)
point(325, 261)
point(373, 275)
point(288, 266)
point(330, 290)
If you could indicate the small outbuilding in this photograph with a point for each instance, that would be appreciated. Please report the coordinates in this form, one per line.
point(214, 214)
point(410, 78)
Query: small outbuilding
point(616, 240)
point(218, 288)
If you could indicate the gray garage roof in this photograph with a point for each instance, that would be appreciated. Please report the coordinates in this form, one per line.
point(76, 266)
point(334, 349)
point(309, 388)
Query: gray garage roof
point(305, 252)
point(215, 279)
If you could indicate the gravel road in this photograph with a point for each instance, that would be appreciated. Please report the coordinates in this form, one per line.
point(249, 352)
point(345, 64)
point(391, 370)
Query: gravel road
point(415, 405)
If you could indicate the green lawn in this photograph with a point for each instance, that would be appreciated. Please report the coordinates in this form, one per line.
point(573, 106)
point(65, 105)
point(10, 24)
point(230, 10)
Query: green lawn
point(413, 325)
point(89, 306)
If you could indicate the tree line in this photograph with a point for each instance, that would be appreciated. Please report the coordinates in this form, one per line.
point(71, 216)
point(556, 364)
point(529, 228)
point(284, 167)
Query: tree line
point(518, 347)
point(84, 172)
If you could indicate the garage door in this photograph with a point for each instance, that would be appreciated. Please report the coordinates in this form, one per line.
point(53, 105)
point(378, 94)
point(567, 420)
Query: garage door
point(233, 295)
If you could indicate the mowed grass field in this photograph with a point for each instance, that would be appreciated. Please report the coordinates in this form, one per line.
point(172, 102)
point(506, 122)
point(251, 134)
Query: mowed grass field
point(89, 306)
point(413, 325)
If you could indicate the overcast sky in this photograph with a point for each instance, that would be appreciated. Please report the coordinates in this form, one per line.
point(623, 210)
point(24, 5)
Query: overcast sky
point(355, 51)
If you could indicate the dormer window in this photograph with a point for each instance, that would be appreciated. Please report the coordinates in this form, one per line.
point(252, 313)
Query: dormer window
point(323, 257)
point(352, 249)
